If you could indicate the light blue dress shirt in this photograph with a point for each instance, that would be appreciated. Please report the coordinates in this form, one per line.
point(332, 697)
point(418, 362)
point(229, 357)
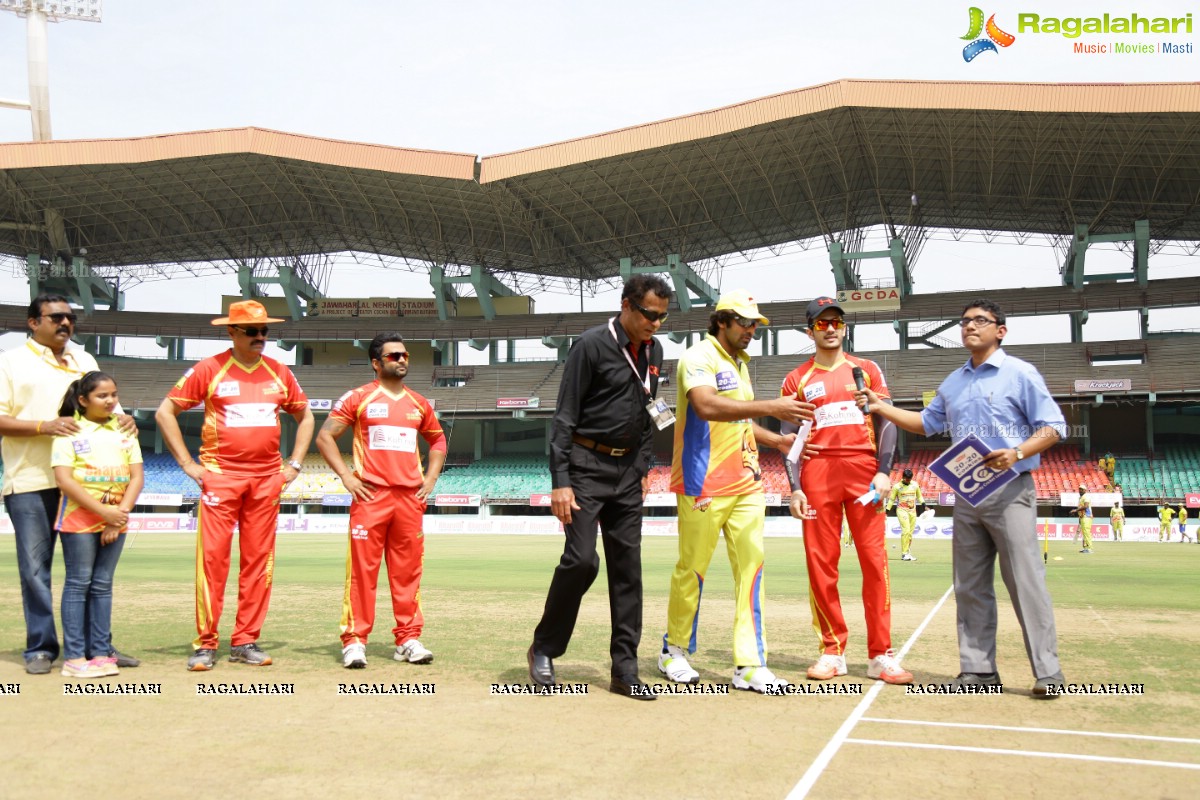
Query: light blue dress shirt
point(1002, 402)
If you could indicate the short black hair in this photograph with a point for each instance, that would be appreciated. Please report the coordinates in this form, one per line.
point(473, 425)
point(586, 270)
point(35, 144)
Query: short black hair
point(718, 318)
point(375, 349)
point(35, 305)
point(983, 304)
point(637, 287)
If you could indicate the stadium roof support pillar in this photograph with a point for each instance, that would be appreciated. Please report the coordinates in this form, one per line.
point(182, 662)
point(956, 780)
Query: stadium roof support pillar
point(683, 278)
point(77, 282)
point(1078, 320)
point(443, 291)
point(845, 273)
point(174, 346)
point(293, 284)
point(1073, 269)
point(560, 343)
point(486, 287)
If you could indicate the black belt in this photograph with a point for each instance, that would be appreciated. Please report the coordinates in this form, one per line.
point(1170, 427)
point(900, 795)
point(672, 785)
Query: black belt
point(590, 444)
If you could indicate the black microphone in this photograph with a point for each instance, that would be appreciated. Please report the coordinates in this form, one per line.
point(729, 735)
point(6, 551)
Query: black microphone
point(861, 385)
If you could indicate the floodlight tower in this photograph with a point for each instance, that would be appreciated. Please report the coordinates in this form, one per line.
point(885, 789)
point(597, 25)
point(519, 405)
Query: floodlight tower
point(37, 13)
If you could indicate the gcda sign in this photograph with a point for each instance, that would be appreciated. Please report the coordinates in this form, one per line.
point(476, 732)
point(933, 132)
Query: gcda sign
point(885, 299)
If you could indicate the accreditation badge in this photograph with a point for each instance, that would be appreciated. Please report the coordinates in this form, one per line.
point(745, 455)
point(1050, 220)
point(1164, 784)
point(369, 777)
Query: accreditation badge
point(662, 416)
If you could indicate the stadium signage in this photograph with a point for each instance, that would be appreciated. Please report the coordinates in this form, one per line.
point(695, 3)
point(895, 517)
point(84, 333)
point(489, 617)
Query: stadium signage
point(885, 299)
point(410, 307)
point(471, 500)
point(355, 307)
point(1089, 386)
point(159, 499)
point(1192, 500)
point(539, 500)
point(517, 402)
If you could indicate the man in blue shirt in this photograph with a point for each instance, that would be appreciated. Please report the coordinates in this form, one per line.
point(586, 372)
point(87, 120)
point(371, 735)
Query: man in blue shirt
point(1004, 402)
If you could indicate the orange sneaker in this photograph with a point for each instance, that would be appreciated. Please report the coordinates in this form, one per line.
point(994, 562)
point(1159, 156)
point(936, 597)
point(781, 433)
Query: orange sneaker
point(827, 666)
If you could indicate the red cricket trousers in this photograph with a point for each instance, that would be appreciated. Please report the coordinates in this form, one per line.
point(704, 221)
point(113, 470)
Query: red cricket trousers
point(252, 504)
point(831, 485)
point(387, 526)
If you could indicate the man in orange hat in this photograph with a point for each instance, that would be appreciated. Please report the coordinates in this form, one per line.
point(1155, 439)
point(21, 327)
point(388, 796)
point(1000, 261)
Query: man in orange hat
point(240, 474)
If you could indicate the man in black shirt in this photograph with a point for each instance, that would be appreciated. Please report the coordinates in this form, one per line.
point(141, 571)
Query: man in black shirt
point(600, 446)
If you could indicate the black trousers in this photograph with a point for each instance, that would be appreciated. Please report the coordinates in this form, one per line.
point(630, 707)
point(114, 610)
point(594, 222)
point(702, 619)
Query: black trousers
point(608, 492)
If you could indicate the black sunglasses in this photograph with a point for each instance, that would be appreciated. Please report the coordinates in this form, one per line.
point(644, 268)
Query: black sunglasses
point(58, 317)
point(253, 332)
point(651, 316)
point(394, 357)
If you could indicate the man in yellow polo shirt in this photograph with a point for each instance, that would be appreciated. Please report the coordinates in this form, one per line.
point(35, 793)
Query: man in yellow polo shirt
point(718, 485)
point(33, 379)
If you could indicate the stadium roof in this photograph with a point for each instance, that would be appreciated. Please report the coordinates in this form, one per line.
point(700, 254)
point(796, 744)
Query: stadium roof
point(1022, 158)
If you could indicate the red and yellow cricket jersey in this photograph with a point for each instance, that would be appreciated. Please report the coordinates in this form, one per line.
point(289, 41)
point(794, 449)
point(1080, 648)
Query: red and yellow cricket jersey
point(386, 427)
point(99, 457)
point(713, 459)
point(839, 425)
point(241, 411)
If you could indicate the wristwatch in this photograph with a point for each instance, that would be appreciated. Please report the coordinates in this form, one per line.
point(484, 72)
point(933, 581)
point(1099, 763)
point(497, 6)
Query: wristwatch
point(296, 465)
point(1020, 455)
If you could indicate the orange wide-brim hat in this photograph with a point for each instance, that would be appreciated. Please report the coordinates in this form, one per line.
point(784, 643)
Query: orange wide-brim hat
point(246, 312)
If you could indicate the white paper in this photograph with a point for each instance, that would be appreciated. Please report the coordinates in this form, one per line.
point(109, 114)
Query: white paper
point(798, 446)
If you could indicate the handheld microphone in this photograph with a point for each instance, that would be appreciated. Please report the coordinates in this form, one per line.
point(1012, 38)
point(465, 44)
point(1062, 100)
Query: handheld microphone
point(860, 384)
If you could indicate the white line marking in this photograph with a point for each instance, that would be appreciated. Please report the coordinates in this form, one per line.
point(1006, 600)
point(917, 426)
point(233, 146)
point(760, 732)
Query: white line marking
point(1031, 753)
point(1057, 731)
point(813, 773)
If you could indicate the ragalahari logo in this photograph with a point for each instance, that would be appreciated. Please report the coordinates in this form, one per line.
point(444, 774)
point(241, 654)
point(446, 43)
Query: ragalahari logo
point(994, 37)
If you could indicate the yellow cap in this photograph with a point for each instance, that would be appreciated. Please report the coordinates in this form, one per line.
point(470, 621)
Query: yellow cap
point(741, 303)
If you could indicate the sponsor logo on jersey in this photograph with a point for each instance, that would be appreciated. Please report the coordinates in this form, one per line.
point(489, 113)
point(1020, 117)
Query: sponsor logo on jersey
point(726, 381)
point(814, 392)
point(377, 410)
point(229, 389)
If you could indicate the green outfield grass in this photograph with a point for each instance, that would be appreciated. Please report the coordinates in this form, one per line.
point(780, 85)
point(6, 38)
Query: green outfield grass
point(1126, 614)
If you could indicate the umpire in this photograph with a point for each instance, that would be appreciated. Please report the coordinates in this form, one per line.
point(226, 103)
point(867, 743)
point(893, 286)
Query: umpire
point(600, 448)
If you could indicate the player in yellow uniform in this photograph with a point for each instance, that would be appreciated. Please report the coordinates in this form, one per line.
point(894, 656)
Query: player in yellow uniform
point(1166, 515)
point(1183, 517)
point(1083, 510)
point(906, 496)
point(1116, 518)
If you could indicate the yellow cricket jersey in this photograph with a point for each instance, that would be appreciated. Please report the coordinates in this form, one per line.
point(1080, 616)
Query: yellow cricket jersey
point(906, 497)
point(713, 459)
point(1165, 515)
point(99, 456)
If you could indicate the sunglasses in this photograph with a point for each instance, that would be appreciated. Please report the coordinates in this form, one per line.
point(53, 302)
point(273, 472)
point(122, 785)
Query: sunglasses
point(828, 324)
point(59, 318)
point(979, 322)
point(253, 332)
point(651, 316)
point(394, 357)
point(746, 322)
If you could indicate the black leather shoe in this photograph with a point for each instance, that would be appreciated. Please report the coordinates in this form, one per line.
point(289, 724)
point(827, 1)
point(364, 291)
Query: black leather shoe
point(123, 660)
point(977, 679)
point(541, 668)
point(631, 686)
point(1048, 688)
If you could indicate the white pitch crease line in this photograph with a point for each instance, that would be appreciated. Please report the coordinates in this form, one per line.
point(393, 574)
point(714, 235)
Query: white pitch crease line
point(813, 773)
point(1141, 762)
point(1056, 731)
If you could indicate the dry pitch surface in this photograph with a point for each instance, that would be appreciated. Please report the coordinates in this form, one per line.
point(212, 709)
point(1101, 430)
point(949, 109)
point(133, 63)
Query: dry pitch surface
point(482, 599)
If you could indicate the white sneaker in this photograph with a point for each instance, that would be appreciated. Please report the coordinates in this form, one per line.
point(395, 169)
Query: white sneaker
point(827, 666)
point(908, 557)
point(886, 667)
point(413, 652)
point(674, 664)
point(354, 655)
point(758, 679)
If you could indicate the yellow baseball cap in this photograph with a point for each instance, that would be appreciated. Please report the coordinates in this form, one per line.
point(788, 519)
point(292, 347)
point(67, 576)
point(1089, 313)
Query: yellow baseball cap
point(741, 303)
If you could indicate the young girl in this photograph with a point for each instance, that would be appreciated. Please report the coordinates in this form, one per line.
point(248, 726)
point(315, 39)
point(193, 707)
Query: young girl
point(99, 471)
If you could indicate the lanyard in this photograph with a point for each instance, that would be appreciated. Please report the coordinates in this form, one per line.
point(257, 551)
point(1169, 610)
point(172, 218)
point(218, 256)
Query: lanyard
point(645, 383)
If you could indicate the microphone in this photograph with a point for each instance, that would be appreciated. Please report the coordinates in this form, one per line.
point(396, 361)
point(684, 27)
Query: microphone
point(860, 384)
